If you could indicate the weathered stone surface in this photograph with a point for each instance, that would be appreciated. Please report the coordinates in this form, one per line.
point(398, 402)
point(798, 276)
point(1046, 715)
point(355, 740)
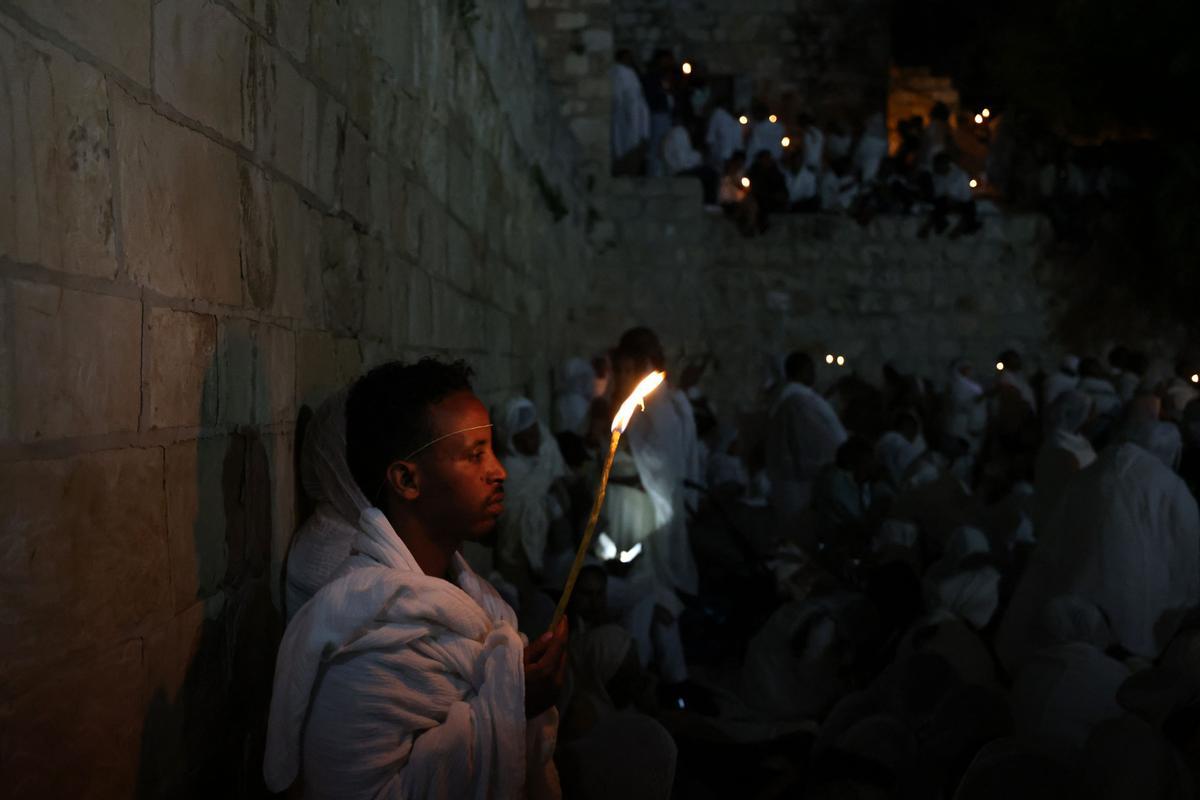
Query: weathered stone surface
point(201, 60)
point(291, 135)
point(341, 276)
point(84, 555)
point(236, 363)
point(275, 386)
point(56, 209)
point(291, 27)
point(179, 206)
point(179, 385)
point(324, 364)
point(298, 240)
point(197, 499)
point(259, 242)
point(76, 362)
point(78, 732)
point(116, 31)
point(356, 178)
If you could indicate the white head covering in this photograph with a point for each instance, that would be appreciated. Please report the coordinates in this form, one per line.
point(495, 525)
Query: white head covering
point(576, 386)
point(951, 584)
point(1163, 439)
point(529, 506)
point(324, 473)
point(1069, 411)
point(1069, 618)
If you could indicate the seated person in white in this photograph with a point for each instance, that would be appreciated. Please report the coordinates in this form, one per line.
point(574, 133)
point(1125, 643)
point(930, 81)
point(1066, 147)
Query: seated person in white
point(405, 675)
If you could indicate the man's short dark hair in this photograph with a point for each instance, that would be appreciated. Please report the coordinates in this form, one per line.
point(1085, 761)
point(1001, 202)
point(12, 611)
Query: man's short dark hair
point(799, 367)
point(387, 415)
point(641, 344)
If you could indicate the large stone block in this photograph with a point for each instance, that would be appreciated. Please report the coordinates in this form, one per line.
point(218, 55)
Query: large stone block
point(202, 65)
point(291, 26)
point(298, 264)
point(259, 241)
point(179, 206)
point(76, 362)
point(324, 364)
point(236, 363)
point(87, 714)
point(275, 381)
point(292, 133)
point(356, 176)
point(56, 208)
point(342, 276)
point(115, 31)
point(179, 384)
point(197, 500)
point(84, 556)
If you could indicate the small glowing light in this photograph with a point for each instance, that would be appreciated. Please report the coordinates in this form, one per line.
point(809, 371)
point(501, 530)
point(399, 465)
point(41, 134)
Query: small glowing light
point(841, 361)
point(625, 556)
point(1196, 377)
point(637, 400)
point(974, 183)
point(785, 141)
point(979, 119)
point(1000, 366)
point(743, 119)
point(773, 118)
point(687, 68)
point(829, 359)
point(987, 112)
point(745, 183)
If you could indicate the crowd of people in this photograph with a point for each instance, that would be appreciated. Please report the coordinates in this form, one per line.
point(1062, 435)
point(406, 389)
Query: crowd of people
point(668, 121)
point(987, 586)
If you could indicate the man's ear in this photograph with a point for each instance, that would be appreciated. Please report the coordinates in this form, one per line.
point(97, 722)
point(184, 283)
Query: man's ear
point(404, 480)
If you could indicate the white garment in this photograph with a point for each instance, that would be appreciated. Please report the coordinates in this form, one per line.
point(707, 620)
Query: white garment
point(1104, 396)
point(529, 507)
point(764, 135)
point(723, 137)
point(954, 185)
point(896, 454)
point(805, 433)
point(1056, 384)
point(630, 114)
point(838, 193)
point(967, 417)
point(662, 440)
point(814, 148)
point(391, 683)
point(576, 384)
point(323, 542)
point(872, 148)
point(970, 592)
point(1126, 537)
point(801, 184)
point(791, 669)
point(678, 153)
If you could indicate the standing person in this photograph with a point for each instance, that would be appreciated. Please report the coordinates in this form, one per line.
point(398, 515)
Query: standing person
point(1064, 380)
point(658, 86)
point(765, 135)
point(935, 138)
point(405, 675)
point(805, 434)
point(814, 142)
point(662, 441)
point(630, 116)
point(839, 187)
point(801, 183)
point(966, 409)
point(723, 136)
point(871, 149)
point(951, 195)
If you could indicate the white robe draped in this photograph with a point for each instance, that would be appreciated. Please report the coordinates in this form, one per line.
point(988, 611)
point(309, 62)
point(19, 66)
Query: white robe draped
point(804, 435)
point(394, 684)
point(630, 114)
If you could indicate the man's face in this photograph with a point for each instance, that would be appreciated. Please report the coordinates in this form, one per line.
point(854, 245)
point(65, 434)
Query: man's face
point(461, 481)
point(626, 374)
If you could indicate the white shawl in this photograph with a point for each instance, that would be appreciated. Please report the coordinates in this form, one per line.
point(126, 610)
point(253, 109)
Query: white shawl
point(396, 684)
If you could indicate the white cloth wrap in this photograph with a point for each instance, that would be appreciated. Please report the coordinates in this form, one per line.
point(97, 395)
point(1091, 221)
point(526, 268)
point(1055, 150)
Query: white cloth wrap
point(529, 508)
point(631, 115)
point(806, 434)
point(396, 684)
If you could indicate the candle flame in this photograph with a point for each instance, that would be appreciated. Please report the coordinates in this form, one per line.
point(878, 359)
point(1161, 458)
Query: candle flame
point(987, 112)
point(1000, 366)
point(687, 68)
point(1196, 377)
point(829, 358)
point(637, 399)
point(979, 119)
point(974, 183)
point(743, 119)
point(841, 361)
point(745, 183)
point(773, 118)
point(785, 141)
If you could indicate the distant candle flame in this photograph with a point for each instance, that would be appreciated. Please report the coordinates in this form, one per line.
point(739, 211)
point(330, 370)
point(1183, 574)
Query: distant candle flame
point(637, 400)
point(687, 68)
point(841, 361)
point(1196, 377)
point(987, 112)
point(745, 183)
point(773, 118)
point(1000, 366)
point(743, 119)
point(974, 183)
point(785, 141)
point(979, 119)
point(829, 358)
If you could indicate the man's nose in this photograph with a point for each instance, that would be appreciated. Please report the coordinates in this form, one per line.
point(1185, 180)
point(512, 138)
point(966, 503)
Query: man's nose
point(497, 473)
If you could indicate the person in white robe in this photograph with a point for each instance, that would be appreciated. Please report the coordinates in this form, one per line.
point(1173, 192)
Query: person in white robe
point(323, 542)
point(1069, 685)
point(630, 114)
point(801, 182)
point(1125, 536)
point(535, 501)
point(966, 409)
point(573, 402)
point(872, 148)
point(805, 433)
point(813, 139)
point(405, 675)
point(1064, 379)
point(1063, 453)
point(723, 136)
point(764, 134)
point(898, 449)
point(839, 187)
point(1096, 383)
point(964, 582)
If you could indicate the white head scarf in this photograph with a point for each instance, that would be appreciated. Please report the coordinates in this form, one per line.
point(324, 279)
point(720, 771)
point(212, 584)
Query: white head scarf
point(1069, 411)
point(324, 473)
point(971, 592)
point(529, 507)
point(1163, 439)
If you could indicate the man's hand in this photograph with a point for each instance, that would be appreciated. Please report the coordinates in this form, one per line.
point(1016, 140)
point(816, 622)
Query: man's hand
point(545, 668)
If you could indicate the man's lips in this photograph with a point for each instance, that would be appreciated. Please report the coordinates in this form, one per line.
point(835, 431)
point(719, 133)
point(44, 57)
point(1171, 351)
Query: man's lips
point(496, 502)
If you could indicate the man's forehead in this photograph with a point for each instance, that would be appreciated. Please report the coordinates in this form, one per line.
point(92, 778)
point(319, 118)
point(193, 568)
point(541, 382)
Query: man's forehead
point(458, 412)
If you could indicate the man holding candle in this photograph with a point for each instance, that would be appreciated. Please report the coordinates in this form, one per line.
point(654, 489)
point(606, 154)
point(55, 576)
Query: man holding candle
point(405, 675)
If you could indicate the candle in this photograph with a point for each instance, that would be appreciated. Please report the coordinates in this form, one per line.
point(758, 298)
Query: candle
point(620, 421)
point(974, 183)
point(745, 183)
point(841, 361)
point(979, 119)
point(829, 358)
point(687, 68)
point(987, 112)
point(743, 119)
point(785, 141)
point(773, 118)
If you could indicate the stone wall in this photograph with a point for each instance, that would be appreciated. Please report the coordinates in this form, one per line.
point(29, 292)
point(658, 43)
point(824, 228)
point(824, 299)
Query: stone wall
point(830, 56)
point(213, 213)
point(816, 282)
